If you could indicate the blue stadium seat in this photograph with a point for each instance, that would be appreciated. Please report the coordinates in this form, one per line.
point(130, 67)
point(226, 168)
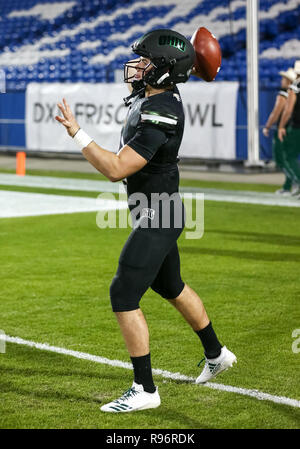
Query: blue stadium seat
point(61, 47)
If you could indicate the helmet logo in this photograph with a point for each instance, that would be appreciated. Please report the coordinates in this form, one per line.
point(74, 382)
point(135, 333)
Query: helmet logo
point(172, 41)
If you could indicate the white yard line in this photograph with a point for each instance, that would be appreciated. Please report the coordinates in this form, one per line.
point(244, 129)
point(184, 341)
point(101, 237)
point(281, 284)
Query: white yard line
point(163, 373)
point(51, 182)
point(21, 204)
point(232, 196)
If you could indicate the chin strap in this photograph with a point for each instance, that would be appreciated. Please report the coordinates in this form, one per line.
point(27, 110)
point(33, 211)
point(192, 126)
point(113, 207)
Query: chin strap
point(138, 87)
point(133, 94)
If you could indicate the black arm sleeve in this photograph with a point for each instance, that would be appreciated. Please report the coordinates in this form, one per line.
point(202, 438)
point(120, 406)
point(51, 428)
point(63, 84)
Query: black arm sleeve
point(147, 140)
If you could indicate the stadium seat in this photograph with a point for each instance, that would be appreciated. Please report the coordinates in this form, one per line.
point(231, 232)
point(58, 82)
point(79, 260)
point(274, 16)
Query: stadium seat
point(75, 42)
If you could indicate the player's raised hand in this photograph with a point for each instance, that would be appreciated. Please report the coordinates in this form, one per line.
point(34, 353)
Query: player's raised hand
point(68, 119)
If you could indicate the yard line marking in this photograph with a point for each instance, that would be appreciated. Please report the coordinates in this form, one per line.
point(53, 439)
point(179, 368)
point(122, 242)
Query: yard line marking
point(232, 196)
point(51, 182)
point(22, 204)
point(159, 372)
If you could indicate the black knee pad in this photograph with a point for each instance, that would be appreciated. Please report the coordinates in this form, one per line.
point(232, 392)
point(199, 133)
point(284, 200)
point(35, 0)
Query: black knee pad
point(125, 294)
point(168, 291)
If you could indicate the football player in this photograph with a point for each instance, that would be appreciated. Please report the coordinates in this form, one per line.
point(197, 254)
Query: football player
point(278, 147)
point(290, 134)
point(147, 163)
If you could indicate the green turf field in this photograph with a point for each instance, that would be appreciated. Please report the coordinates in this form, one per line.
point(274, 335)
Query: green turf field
point(55, 277)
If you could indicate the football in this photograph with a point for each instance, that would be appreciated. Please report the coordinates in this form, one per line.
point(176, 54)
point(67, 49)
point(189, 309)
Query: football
point(208, 54)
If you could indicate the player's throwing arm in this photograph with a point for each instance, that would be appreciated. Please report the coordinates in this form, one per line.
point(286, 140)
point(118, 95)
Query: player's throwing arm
point(114, 166)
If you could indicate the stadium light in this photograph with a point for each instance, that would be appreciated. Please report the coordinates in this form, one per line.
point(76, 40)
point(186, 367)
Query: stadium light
point(252, 84)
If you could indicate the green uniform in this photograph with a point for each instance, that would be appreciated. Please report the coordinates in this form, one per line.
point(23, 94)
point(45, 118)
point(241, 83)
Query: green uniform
point(278, 153)
point(292, 140)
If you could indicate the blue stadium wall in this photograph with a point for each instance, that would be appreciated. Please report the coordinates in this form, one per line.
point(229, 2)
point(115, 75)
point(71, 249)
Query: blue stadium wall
point(12, 122)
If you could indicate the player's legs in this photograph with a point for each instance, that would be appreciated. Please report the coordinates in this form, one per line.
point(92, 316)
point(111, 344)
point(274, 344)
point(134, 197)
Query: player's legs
point(292, 151)
point(139, 263)
point(191, 308)
point(127, 288)
point(278, 155)
point(168, 282)
point(135, 332)
point(188, 303)
point(217, 357)
point(143, 394)
point(169, 285)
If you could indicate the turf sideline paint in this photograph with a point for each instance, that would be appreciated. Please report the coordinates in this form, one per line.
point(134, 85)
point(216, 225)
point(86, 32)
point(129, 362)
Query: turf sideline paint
point(165, 374)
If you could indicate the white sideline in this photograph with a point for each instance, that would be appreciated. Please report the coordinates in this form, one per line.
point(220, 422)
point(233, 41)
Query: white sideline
point(166, 374)
point(233, 196)
point(22, 204)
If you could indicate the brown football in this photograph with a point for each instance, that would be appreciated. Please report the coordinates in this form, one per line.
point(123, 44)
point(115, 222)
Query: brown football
point(208, 54)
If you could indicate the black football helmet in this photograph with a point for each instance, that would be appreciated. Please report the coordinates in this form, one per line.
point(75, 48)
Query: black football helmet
point(172, 58)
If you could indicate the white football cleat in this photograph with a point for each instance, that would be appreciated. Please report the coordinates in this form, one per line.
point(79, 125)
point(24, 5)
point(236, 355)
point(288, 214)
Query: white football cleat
point(213, 367)
point(295, 190)
point(283, 192)
point(135, 398)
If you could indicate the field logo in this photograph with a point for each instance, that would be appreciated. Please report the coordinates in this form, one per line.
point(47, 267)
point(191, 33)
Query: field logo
point(2, 342)
point(2, 82)
point(296, 343)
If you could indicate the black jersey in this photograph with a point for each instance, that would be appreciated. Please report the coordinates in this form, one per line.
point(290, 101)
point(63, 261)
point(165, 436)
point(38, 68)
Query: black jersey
point(154, 129)
point(283, 92)
point(295, 119)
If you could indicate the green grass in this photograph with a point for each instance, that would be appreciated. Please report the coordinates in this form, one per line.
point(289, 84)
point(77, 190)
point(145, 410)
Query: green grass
point(58, 174)
point(56, 272)
point(268, 188)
